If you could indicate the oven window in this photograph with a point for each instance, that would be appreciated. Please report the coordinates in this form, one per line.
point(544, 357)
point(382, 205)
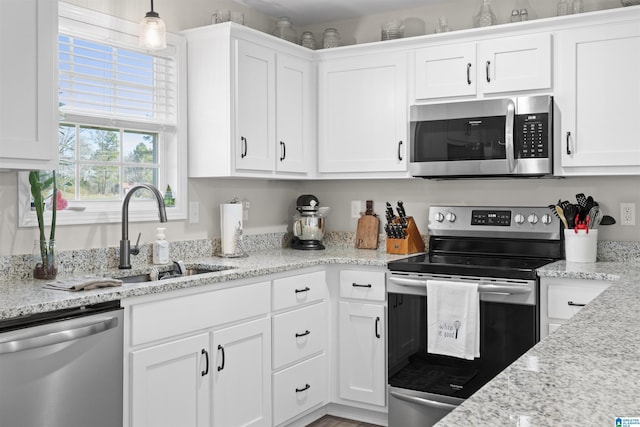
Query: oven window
point(480, 138)
point(506, 332)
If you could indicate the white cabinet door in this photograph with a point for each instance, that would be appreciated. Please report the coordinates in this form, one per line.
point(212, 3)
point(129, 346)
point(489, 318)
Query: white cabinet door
point(598, 99)
point(515, 63)
point(170, 384)
point(468, 69)
point(293, 114)
point(28, 84)
point(362, 370)
point(363, 114)
point(444, 71)
point(241, 372)
point(255, 107)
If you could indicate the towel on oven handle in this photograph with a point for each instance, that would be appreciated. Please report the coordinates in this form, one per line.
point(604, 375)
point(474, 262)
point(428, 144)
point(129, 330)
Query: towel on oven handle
point(453, 319)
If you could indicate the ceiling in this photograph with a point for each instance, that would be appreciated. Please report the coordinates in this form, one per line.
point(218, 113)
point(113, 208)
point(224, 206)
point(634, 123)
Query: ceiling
point(306, 12)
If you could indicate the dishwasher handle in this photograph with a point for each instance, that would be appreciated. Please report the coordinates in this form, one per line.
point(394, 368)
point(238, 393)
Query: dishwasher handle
point(483, 287)
point(29, 343)
point(423, 402)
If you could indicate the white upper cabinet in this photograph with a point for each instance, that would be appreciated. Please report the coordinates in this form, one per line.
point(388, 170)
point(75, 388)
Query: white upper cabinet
point(250, 104)
point(598, 99)
point(363, 116)
point(28, 84)
point(509, 64)
point(255, 106)
point(293, 114)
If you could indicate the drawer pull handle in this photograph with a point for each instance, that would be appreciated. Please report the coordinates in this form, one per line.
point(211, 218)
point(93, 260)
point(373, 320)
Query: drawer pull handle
point(469, 73)
point(300, 390)
point(221, 367)
point(573, 304)
point(357, 285)
point(377, 323)
point(304, 334)
point(206, 355)
point(306, 289)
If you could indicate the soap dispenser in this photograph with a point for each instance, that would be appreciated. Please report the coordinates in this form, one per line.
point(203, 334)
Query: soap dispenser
point(160, 248)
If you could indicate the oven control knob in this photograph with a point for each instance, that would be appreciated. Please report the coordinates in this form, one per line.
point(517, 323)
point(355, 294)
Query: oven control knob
point(533, 219)
point(519, 219)
point(546, 219)
point(451, 217)
point(439, 217)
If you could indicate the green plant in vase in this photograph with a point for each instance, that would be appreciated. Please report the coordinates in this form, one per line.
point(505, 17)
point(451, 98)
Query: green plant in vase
point(40, 181)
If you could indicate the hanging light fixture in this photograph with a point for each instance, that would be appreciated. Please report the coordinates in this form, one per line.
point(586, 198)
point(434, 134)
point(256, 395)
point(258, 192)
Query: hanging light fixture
point(153, 32)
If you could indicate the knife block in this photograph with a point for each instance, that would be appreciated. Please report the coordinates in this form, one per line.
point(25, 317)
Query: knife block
point(411, 244)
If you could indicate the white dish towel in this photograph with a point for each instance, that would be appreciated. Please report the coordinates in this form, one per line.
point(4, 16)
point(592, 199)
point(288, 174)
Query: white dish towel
point(453, 319)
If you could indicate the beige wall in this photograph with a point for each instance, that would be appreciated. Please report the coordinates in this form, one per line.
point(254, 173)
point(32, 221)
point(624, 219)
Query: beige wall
point(272, 202)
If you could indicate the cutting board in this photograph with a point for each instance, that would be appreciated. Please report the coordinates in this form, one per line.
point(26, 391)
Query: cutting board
point(368, 229)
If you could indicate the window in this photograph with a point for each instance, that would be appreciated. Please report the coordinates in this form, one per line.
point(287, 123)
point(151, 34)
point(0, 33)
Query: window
point(121, 120)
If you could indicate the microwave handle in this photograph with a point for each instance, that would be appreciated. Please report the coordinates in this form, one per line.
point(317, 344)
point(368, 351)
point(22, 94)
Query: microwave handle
point(508, 132)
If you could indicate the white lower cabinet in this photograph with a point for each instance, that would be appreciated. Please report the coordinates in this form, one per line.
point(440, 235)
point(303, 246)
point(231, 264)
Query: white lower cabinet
point(170, 384)
point(362, 352)
point(300, 326)
point(362, 336)
point(299, 388)
point(561, 299)
point(199, 358)
point(241, 375)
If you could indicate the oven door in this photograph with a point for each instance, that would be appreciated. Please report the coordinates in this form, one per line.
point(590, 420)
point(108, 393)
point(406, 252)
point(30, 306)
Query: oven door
point(427, 386)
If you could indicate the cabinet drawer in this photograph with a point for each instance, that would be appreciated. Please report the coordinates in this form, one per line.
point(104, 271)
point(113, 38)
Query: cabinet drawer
point(299, 388)
point(175, 316)
point(297, 290)
point(565, 300)
point(299, 333)
point(367, 285)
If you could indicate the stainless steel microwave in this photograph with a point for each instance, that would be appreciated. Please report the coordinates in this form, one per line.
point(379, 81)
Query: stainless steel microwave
point(505, 137)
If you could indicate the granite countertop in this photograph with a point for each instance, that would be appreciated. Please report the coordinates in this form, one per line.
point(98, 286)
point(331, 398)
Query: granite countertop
point(20, 297)
point(587, 373)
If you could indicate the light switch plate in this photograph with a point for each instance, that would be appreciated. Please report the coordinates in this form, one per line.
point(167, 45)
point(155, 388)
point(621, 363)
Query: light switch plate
point(356, 208)
point(194, 212)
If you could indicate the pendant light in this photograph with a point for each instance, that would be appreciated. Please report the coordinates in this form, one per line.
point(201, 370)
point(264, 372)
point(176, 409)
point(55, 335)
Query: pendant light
point(153, 32)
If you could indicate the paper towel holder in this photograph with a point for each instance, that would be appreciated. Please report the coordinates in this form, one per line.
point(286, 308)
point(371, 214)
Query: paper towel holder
point(237, 233)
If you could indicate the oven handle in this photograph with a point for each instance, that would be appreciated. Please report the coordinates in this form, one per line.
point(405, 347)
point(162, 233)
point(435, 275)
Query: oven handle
point(423, 402)
point(485, 288)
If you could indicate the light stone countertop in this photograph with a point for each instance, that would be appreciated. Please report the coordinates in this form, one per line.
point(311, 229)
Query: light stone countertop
point(20, 297)
point(587, 373)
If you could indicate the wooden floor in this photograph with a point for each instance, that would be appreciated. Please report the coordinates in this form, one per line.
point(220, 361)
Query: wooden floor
point(331, 421)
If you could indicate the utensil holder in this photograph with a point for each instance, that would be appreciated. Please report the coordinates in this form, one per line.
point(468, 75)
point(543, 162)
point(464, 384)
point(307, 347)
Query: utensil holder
point(411, 244)
point(581, 246)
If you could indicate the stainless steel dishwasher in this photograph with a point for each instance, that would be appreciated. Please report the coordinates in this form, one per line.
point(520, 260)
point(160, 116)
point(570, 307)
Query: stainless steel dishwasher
point(62, 368)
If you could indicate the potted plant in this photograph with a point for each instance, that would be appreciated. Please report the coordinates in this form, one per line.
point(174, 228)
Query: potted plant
point(40, 181)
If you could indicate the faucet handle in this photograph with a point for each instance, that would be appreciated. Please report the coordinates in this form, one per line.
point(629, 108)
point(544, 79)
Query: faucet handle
point(136, 249)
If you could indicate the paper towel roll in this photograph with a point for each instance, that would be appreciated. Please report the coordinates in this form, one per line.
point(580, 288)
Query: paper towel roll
point(230, 223)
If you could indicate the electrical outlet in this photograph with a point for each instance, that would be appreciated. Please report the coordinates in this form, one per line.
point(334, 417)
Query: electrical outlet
point(246, 205)
point(356, 208)
point(194, 212)
point(627, 214)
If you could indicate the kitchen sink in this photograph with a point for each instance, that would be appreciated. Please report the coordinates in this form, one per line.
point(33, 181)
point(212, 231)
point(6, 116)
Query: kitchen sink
point(164, 275)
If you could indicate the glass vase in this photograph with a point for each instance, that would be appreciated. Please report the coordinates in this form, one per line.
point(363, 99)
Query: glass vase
point(485, 17)
point(44, 260)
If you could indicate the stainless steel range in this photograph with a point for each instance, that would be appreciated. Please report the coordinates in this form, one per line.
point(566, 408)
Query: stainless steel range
point(499, 248)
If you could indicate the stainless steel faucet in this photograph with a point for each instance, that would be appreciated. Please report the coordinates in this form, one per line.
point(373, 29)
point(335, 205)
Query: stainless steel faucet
point(125, 245)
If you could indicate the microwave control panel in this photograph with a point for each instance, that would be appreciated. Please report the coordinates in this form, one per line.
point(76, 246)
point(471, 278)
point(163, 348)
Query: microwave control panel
point(532, 136)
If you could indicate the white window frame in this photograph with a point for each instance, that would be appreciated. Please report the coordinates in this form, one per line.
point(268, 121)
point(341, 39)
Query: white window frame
point(78, 21)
